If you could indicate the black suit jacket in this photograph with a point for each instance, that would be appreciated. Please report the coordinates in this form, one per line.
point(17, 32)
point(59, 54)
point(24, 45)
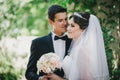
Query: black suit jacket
point(40, 46)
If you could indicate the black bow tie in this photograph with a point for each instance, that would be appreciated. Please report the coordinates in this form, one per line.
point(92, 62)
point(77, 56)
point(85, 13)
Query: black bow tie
point(63, 38)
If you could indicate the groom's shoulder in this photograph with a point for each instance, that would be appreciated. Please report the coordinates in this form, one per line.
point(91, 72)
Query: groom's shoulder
point(40, 39)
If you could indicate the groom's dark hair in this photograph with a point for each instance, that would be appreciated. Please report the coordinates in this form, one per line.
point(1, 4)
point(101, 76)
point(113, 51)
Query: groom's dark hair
point(54, 9)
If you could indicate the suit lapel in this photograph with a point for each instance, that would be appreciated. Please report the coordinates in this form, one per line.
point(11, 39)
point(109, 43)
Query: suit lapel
point(68, 42)
point(50, 42)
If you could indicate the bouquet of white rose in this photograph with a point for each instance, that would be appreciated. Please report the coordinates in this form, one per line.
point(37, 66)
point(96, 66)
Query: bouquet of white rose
point(49, 62)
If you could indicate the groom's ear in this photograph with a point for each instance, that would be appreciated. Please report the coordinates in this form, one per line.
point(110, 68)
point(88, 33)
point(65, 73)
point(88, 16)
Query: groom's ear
point(50, 21)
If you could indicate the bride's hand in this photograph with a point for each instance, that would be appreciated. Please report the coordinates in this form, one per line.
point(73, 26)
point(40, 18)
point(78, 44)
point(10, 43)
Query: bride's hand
point(54, 77)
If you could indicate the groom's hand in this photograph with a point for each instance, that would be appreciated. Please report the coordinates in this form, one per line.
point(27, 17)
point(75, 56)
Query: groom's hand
point(43, 78)
point(54, 77)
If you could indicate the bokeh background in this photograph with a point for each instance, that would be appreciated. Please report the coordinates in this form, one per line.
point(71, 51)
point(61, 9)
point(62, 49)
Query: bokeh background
point(23, 20)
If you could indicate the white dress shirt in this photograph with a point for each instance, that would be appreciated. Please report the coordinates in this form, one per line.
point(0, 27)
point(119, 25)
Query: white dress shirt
point(59, 46)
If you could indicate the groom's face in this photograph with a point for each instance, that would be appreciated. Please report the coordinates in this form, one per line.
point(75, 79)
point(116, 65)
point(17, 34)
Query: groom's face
point(60, 23)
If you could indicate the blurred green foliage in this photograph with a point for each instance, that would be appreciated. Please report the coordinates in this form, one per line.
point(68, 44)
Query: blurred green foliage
point(7, 71)
point(29, 17)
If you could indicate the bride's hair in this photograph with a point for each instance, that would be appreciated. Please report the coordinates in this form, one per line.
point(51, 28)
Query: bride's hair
point(81, 18)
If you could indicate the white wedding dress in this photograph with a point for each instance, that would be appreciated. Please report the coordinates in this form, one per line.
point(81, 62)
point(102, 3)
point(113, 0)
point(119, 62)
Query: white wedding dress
point(87, 58)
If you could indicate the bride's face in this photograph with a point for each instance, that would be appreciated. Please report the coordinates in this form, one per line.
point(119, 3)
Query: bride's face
point(73, 29)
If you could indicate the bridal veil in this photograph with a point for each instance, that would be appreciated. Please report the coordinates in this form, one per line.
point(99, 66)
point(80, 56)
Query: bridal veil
point(87, 59)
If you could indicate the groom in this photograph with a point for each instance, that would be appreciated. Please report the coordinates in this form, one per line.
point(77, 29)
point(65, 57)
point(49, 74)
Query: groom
point(56, 41)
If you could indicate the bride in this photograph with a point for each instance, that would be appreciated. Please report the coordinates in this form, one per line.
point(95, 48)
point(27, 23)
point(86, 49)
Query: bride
point(87, 57)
